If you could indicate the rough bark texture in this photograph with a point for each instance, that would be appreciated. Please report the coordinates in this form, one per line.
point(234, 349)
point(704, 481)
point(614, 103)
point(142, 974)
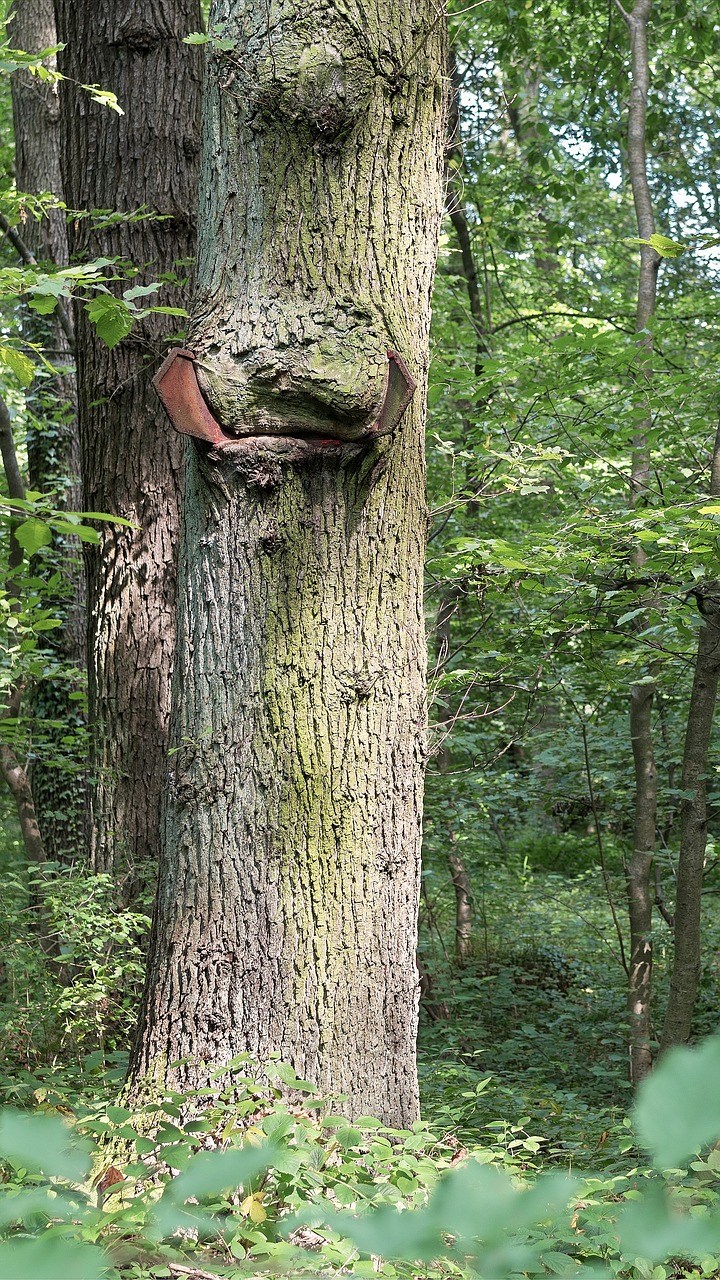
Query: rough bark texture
point(286, 914)
point(131, 463)
point(36, 124)
point(58, 781)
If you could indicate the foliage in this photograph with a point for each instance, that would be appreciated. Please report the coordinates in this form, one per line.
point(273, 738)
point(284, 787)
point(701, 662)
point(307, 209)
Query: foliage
point(257, 1183)
point(533, 549)
point(83, 996)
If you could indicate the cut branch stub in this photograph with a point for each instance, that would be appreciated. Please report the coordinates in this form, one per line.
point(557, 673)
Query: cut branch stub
point(177, 386)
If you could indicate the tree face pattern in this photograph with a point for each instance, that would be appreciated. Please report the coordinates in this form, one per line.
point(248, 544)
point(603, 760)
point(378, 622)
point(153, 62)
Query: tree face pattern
point(314, 274)
point(287, 906)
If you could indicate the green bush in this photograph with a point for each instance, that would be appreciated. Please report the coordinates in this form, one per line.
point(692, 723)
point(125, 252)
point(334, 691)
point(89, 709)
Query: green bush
point(83, 996)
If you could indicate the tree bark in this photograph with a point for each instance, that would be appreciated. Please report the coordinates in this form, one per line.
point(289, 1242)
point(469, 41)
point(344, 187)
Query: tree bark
point(449, 605)
point(131, 465)
point(286, 917)
point(640, 896)
point(685, 977)
point(639, 872)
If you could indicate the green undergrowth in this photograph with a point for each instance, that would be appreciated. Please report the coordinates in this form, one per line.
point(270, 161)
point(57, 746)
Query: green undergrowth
point(526, 1162)
point(539, 1007)
point(255, 1186)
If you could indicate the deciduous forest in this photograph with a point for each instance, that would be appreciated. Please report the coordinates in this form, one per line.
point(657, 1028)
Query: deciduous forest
point(359, 639)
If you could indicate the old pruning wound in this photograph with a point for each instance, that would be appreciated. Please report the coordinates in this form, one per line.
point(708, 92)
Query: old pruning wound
point(178, 388)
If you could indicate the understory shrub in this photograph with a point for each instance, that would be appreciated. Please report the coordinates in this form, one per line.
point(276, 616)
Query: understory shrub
point(253, 1184)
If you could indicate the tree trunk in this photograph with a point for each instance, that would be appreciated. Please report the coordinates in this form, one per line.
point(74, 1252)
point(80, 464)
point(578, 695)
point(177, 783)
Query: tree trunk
point(693, 813)
point(640, 896)
point(639, 872)
point(57, 777)
point(449, 605)
point(286, 916)
point(13, 771)
point(131, 465)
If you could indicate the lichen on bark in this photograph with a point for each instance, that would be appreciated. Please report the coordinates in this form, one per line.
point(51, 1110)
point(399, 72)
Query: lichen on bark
point(286, 914)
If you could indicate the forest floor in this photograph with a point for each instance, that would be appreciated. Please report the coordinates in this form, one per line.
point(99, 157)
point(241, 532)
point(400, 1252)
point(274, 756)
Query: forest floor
point(534, 1042)
point(522, 1067)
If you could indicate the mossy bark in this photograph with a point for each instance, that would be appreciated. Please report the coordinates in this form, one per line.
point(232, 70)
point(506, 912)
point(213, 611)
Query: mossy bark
point(286, 913)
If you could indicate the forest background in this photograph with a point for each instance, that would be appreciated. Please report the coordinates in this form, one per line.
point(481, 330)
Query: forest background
point(571, 583)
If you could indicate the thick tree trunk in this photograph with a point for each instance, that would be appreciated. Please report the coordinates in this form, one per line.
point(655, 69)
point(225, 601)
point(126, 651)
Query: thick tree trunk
point(131, 465)
point(287, 905)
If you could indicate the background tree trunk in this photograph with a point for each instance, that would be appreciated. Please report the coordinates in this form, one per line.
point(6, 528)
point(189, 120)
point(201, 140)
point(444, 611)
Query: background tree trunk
point(641, 893)
point(287, 909)
point(459, 876)
point(686, 969)
point(131, 464)
point(57, 777)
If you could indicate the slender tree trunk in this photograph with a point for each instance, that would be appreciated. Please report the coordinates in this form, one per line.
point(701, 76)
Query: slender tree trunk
point(639, 871)
point(458, 871)
point(58, 779)
point(639, 868)
point(286, 917)
point(458, 216)
point(15, 773)
point(145, 160)
point(693, 813)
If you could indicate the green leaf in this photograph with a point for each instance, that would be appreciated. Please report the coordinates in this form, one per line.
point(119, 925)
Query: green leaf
point(81, 531)
point(20, 365)
point(48, 1259)
point(678, 1107)
point(111, 316)
point(207, 1174)
point(661, 244)
point(667, 248)
point(105, 97)
point(44, 306)
point(139, 291)
point(33, 534)
point(106, 515)
point(42, 1142)
point(196, 37)
point(168, 311)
